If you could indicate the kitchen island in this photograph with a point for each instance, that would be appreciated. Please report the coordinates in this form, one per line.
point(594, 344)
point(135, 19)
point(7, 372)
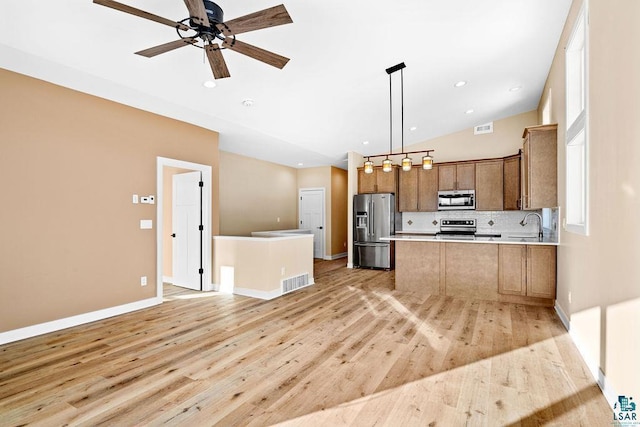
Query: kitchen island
point(512, 268)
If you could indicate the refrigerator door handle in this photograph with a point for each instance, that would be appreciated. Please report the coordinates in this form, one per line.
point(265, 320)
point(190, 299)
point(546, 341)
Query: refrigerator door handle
point(373, 218)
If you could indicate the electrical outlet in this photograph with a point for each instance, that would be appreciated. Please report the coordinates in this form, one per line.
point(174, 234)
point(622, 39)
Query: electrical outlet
point(282, 271)
point(144, 199)
point(134, 199)
point(143, 281)
point(152, 200)
point(569, 297)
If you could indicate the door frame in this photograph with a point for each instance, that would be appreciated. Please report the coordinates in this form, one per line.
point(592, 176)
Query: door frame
point(324, 215)
point(206, 170)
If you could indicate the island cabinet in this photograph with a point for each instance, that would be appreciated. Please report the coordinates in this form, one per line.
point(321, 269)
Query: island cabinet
point(518, 273)
point(490, 185)
point(539, 167)
point(527, 270)
point(418, 190)
point(457, 176)
point(511, 182)
point(378, 181)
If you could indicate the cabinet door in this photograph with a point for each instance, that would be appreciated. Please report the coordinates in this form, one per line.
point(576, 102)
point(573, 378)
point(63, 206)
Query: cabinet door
point(428, 189)
point(387, 182)
point(471, 270)
point(489, 186)
point(543, 160)
point(541, 271)
point(447, 177)
point(366, 182)
point(525, 174)
point(408, 191)
point(466, 176)
point(512, 269)
point(511, 191)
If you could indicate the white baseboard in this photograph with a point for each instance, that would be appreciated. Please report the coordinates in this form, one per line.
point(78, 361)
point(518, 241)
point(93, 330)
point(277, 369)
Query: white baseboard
point(349, 265)
point(68, 322)
point(593, 367)
point(266, 295)
point(335, 256)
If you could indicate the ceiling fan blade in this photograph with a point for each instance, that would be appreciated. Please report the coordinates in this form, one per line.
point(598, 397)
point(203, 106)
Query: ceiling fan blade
point(141, 13)
point(256, 53)
point(197, 12)
point(216, 61)
point(266, 18)
point(166, 47)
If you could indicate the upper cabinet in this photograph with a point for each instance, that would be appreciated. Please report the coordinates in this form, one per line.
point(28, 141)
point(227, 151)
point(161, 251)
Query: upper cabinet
point(539, 167)
point(489, 185)
point(378, 181)
point(457, 176)
point(418, 190)
point(511, 179)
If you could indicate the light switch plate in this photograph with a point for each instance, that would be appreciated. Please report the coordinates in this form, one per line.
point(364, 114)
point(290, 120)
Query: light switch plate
point(146, 224)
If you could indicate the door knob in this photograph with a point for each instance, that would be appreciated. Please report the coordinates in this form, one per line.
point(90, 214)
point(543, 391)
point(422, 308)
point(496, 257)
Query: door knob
point(173, 235)
point(319, 228)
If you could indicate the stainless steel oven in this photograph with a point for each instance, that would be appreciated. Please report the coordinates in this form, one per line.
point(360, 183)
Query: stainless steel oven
point(456, 200)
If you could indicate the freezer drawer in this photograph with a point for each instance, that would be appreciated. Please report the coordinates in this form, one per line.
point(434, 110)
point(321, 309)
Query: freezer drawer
point(374, 255)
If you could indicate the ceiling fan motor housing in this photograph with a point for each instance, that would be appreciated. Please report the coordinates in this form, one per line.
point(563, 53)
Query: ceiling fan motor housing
point(214, 12)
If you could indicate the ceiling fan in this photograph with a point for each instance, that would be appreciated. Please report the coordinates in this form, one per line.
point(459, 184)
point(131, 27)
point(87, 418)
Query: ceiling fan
point(205, 27)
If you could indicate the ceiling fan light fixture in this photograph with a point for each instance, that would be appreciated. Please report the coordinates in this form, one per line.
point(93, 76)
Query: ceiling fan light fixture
point(248, 103)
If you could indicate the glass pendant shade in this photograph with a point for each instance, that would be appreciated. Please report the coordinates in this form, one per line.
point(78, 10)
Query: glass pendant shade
point(427, 162)
point(387, 165)
point(406, 164)
point(368, 166)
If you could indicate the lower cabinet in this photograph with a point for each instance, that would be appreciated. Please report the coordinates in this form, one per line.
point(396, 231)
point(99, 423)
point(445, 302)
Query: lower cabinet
point(527, 270)
point(497, 272)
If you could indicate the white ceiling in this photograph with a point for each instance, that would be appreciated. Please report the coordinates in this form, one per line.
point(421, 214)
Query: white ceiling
point(334, 92)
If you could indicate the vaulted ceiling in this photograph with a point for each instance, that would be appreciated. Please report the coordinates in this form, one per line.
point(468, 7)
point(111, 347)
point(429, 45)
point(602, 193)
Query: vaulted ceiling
point(334, 93)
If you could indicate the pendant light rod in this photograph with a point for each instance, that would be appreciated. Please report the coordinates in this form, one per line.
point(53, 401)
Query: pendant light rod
point(402, 107)
point(398, 154)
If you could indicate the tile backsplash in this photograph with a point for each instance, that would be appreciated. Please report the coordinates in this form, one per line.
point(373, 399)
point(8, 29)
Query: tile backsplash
point(487, 221)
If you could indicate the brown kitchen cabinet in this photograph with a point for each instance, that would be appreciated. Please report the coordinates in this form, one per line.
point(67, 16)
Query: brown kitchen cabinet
point(457, 176)
point(539, 167)
point(428, 189)
point(489, 185)
point(378, 181)
point(418, 190)
point(527, 270)
point(408, 190)
point(511, 180)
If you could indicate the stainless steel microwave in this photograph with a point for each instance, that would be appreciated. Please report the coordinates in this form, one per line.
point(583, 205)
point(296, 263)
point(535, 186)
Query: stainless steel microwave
point(456, 200)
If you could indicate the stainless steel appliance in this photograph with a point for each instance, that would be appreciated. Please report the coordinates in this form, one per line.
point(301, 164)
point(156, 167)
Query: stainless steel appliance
point(459, 229)
point(374, 217)
point(456, 200)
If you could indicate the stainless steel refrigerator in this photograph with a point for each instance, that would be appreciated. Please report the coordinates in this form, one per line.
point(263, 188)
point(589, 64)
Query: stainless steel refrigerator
point(374, 216)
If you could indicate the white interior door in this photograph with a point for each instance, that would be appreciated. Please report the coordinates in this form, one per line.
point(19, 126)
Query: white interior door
point(311, 211)
point(187, 234)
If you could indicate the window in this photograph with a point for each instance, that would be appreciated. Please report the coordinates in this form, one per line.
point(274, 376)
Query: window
point(577, 136)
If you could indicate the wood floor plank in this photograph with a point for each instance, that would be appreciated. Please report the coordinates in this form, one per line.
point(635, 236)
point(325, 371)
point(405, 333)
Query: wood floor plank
point(349, 350)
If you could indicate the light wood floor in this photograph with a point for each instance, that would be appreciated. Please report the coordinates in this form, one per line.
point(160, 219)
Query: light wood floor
point(347, 351)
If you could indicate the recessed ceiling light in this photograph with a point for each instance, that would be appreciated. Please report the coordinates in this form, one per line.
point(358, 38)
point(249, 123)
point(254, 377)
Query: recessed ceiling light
point(300, 164)
point(412, 128)
point(469, 111)
point(515, 88)
point(460, 83)
point(247, 102)
point(365, 142)
point(209, 84)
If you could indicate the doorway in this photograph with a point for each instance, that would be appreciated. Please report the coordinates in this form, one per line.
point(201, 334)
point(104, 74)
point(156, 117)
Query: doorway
point(166, 169)
point(311, 210)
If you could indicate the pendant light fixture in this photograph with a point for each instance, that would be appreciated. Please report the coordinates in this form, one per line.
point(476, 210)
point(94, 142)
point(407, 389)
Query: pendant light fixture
point(407, 162)
point(368, 166)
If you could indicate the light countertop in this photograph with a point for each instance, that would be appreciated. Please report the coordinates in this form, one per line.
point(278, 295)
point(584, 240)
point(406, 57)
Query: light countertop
point(506, 238)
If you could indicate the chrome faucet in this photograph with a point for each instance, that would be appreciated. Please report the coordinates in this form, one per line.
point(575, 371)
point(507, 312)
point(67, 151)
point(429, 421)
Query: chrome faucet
point(524, 222)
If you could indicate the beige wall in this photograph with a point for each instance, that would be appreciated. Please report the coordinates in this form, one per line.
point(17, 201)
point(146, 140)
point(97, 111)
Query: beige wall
point(339, 212)
point(505, 140)
point(598, 285)
point(254, 194)
point(69, 165)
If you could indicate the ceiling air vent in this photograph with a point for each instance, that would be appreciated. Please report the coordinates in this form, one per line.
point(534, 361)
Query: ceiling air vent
point(485, 128)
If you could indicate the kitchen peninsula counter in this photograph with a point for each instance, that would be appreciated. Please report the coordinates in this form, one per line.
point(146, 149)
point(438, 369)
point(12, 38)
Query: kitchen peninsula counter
point(511, 269)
